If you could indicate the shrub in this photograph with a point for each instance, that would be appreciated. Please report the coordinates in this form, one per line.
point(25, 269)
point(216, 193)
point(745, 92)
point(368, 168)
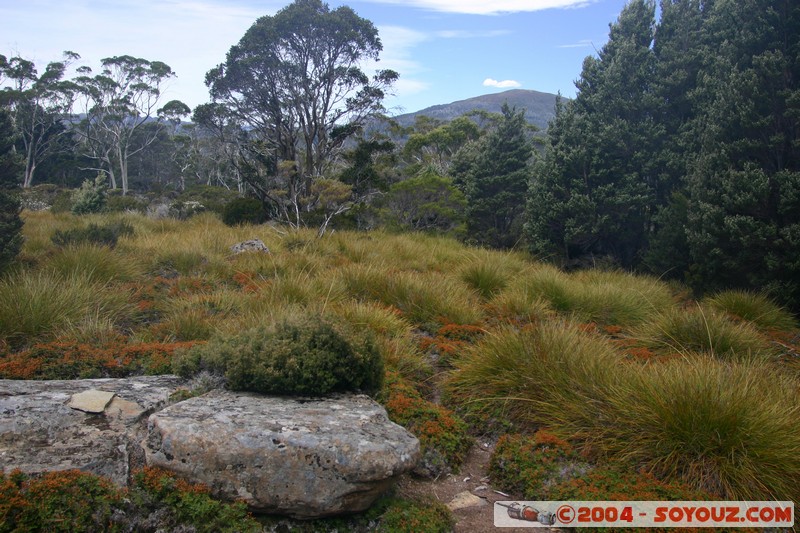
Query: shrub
point(187, 504)
point(703, 330)
point(183, 209)
point(443, 436)
point(116, 203)
point(531, 466)
point(616, 482)
point(405, 516)
point(91, 197)
point(10, 229)
point(105, 235)
point(755, 308)
point(307, 356)
point(65, 501)
point(77, 360)
point(244, 211)
point(213, 198)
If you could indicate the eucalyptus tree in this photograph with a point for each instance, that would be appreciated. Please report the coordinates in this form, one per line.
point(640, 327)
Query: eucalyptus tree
point(39, 105)
point(296, 87)
point(117, 105)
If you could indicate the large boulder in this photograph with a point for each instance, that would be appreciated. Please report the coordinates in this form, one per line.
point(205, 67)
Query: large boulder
point(94, 425)
point(306, 458)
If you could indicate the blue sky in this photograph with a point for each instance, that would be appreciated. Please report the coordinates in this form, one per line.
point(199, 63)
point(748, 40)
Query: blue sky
point(444, 50)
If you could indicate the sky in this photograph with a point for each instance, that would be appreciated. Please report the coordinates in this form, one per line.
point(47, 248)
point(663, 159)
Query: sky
point(444, 50)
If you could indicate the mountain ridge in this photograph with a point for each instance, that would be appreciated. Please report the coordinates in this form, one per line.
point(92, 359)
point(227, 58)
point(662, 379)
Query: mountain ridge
point(539, 107)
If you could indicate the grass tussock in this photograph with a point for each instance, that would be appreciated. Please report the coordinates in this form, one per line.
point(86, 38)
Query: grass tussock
point(96, 263)
point(703, 330)
point(41, 305)
point(754, 308)
point(730, 429)
point(517, 343)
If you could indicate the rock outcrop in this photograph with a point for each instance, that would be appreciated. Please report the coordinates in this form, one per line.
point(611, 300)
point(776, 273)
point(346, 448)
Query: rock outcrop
point(253, 245)
point(307, 458)
point(40, 431)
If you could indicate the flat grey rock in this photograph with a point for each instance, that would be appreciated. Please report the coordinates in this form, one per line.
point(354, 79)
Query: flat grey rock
point(40, 432)
point(306, 458)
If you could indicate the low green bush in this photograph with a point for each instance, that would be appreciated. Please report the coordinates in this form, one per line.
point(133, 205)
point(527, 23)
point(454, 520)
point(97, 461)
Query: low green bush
point(105, 235)
point(305, 356)
point(243, 211)
point(90, 197)
point(406, 516)
point(55, 502)
point(531, 466)
point(116, 203)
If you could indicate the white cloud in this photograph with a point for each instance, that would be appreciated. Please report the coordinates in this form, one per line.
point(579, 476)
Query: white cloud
point(490, 7)
point(466, 34)
point(191, 36)
point(580, 44)
point(398, 44)
point(505, 84)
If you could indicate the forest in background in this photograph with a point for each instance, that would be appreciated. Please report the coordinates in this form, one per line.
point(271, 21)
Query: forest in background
point(678, 156)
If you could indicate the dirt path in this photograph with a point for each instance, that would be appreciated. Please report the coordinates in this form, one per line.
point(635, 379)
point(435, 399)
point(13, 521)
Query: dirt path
point(471, 480)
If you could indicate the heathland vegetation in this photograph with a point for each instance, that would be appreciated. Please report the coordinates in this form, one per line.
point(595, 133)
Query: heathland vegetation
point(623, 377)
point(425, 265)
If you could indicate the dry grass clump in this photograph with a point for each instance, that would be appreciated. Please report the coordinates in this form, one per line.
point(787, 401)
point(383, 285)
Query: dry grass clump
point(96, 263)
point(727, 428)
point(43, 305)
point(755, 308)
point(703, 330)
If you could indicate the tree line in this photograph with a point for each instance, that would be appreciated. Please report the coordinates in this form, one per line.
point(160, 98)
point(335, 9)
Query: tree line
point(678, 155)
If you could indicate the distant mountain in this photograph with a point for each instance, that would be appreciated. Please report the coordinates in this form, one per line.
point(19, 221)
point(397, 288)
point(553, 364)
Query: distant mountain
point(539, 107)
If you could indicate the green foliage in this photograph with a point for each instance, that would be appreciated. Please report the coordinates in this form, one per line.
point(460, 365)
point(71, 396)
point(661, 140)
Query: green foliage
point(593, 190)
point(96, 263)
point(729, 429)
point(188, 504)
point(116, 203)
point(531, 465)
point(495, 180)
point(212, 198)
point(406, 516)
point(428, 202)
point(91, 197)
point(617, 482)
point(243, 211)
point(443, 436)
point(105, 235)
point(720, 426)
point(64, 501)
point(10, 221)
point(307, 356)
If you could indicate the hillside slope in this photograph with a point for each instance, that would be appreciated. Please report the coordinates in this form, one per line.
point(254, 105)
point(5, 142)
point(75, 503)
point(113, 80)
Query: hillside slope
point(539, 107)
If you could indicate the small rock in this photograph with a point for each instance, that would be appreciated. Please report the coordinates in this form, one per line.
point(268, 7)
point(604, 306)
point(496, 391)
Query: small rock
point(91, 401)
point(464, 500)
point(253, 245)
point(480, 488)
point(467, 479)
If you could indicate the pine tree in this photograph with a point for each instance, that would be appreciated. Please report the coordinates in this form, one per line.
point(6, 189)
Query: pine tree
point(592, 192)
point(10, 221)
point(744, 191)
point(495, 180)
point(679, 48)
